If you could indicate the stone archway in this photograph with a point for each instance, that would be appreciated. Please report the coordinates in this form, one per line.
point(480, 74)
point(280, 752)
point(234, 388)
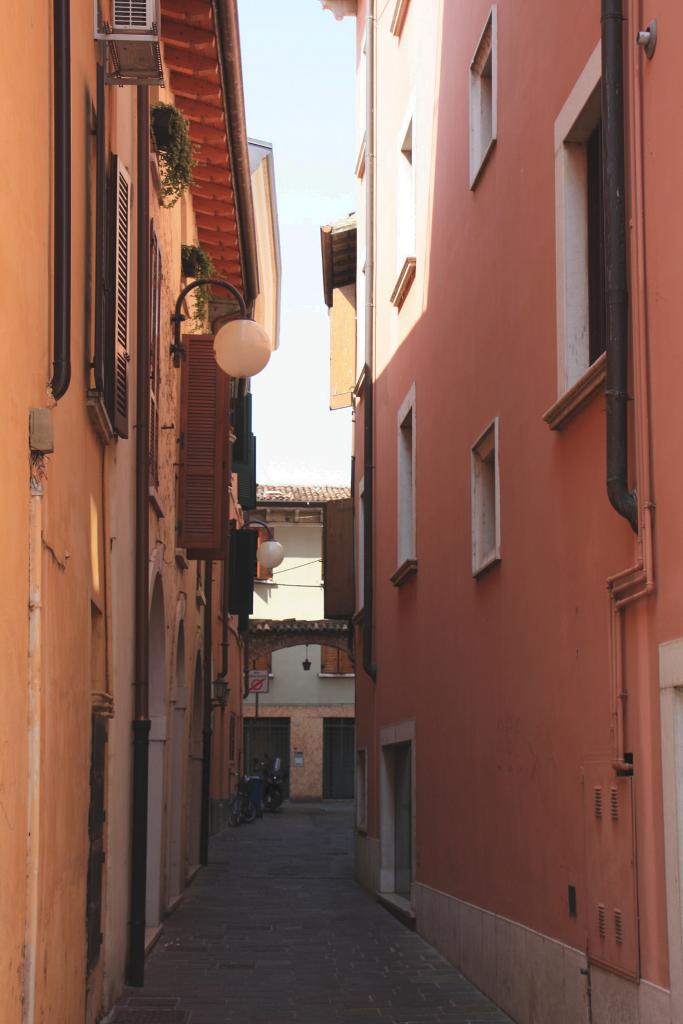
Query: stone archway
point(157, 744)
point(175, 879)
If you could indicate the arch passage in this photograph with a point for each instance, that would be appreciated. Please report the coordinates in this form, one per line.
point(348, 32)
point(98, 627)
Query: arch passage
point(267, 635)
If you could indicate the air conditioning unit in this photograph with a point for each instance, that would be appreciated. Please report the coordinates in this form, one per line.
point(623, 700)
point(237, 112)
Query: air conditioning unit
point(131, 39)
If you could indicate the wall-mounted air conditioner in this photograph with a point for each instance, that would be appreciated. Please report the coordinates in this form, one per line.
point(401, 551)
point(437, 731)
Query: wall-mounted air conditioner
point(131, 39)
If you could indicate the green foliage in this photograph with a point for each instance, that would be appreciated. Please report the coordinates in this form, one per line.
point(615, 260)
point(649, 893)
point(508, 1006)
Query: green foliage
point(197, 263)
point(176, 155)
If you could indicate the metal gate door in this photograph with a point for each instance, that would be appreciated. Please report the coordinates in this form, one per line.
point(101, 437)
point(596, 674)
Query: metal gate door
point(266, 737)
point(338, 748)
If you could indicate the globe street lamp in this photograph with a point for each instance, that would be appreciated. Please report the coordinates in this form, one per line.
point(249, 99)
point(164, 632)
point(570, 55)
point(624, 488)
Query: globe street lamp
point(270, 553)
point(241, 346)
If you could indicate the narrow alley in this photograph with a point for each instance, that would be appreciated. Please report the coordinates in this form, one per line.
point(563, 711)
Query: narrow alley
point(277, 930)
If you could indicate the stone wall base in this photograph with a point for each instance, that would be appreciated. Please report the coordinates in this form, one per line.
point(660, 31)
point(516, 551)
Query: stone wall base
point(535, 979)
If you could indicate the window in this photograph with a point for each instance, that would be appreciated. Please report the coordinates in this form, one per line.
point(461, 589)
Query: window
point(485, 500)
point(405, 215)
point(118, 278)
point(406, 480)
point(483, 97)
point(579, 243)
point(335, 662)
point(361, 789)
point(154, 373)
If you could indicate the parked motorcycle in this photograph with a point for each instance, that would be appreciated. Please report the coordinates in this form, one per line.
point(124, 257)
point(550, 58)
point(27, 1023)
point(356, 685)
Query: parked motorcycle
point(243, 808)
point(274, 776)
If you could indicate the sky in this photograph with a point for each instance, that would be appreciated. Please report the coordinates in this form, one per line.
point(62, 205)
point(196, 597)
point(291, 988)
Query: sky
point(298, 74)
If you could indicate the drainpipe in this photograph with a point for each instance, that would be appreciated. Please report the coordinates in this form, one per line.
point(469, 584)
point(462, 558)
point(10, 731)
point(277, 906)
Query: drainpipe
point(614, 189)
point(206, 730)
point(61, 367)
point(141, 722)
point(369, 664)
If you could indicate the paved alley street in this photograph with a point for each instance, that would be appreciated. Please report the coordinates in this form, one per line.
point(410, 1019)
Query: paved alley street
point(276, 930)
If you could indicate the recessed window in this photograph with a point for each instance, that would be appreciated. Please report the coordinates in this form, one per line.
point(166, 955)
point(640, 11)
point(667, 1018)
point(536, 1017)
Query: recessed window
point(335, 662)
point(579, 230)
point(485, 500)
point(483, 97)
point(406, 479)
point(405, 228)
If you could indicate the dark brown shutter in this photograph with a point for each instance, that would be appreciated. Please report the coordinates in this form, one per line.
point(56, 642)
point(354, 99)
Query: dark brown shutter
point(96, 840)
point(119, 277)
point(338, 559)
point(203, 477)
point(242, 572)
point(154, 339)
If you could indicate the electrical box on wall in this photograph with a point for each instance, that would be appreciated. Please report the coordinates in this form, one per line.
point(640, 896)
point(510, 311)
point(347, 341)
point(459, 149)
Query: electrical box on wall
point(129, 32)
point(611, 870)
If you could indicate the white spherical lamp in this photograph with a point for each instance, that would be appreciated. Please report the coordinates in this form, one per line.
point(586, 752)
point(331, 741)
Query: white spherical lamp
point(242, 348)
point(270, 554)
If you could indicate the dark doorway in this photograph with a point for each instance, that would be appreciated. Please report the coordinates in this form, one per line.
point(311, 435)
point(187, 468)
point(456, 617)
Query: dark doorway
point(338, 758)
point(403, 838)
point(96, 837)
point(266, 737)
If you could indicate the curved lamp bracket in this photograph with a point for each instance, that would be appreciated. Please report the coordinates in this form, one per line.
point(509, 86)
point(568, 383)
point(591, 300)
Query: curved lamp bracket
point(177, 348)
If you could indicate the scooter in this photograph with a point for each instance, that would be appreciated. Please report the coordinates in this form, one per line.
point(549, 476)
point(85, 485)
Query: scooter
point(274, 775)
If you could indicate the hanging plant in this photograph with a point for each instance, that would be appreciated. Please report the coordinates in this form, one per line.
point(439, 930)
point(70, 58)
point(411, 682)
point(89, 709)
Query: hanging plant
point(176, 157)
point(197, 263)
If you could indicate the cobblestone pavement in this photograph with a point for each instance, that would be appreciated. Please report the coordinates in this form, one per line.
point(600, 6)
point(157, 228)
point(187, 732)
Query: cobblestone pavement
point(276, 931)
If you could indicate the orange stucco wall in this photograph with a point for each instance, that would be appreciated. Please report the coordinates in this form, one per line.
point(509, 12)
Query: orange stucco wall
point(507, 676)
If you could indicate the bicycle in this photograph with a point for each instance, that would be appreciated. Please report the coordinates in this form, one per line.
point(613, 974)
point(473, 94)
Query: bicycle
point(242, 807)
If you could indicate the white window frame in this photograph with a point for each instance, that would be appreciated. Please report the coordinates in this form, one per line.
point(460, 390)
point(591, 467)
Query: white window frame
point(573, 127)
point(480, 148)
point(482, 560)
point(406, 195)
point(406, 502)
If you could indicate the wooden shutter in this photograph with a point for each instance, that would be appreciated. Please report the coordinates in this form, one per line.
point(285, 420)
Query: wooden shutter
point(338, 559)
point(204, 438)
point(119, 291)
point(242, 572)
point(154, 372)
point(329, 660)
point(262, 573)
point(96, 840)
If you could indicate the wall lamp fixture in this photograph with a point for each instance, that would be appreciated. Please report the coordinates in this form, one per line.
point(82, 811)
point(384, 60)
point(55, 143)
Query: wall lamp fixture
point(219, 692)
point(241, 346)
point(270, 553)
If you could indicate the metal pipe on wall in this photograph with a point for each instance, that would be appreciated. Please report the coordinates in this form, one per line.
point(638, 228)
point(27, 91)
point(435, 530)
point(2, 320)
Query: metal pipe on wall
point(61, 367)
point(141, 722)
point(614, 191)
point(369, 665)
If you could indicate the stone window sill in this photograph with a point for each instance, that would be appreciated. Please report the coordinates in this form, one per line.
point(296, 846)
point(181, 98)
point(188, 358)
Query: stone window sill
point(568, 404)
point(404, 572)
point(404, 282)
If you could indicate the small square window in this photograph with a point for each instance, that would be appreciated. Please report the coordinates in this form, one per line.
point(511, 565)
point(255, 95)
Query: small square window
point(485, 500)
point(483, 97)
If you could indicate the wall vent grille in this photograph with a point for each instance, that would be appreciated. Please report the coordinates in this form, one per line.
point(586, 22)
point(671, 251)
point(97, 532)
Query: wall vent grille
point(618, 926)
point(614, 803)
point(598, 801)
point(602, 921)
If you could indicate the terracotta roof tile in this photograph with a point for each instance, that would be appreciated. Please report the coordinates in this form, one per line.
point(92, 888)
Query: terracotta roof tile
point(283, 494)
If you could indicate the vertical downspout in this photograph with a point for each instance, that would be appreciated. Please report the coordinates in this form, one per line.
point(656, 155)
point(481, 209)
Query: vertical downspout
point(61, 367)
point(35, 693)
point(141, 722)
point(206, 729)
point(369, 664)
point(614, 191)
